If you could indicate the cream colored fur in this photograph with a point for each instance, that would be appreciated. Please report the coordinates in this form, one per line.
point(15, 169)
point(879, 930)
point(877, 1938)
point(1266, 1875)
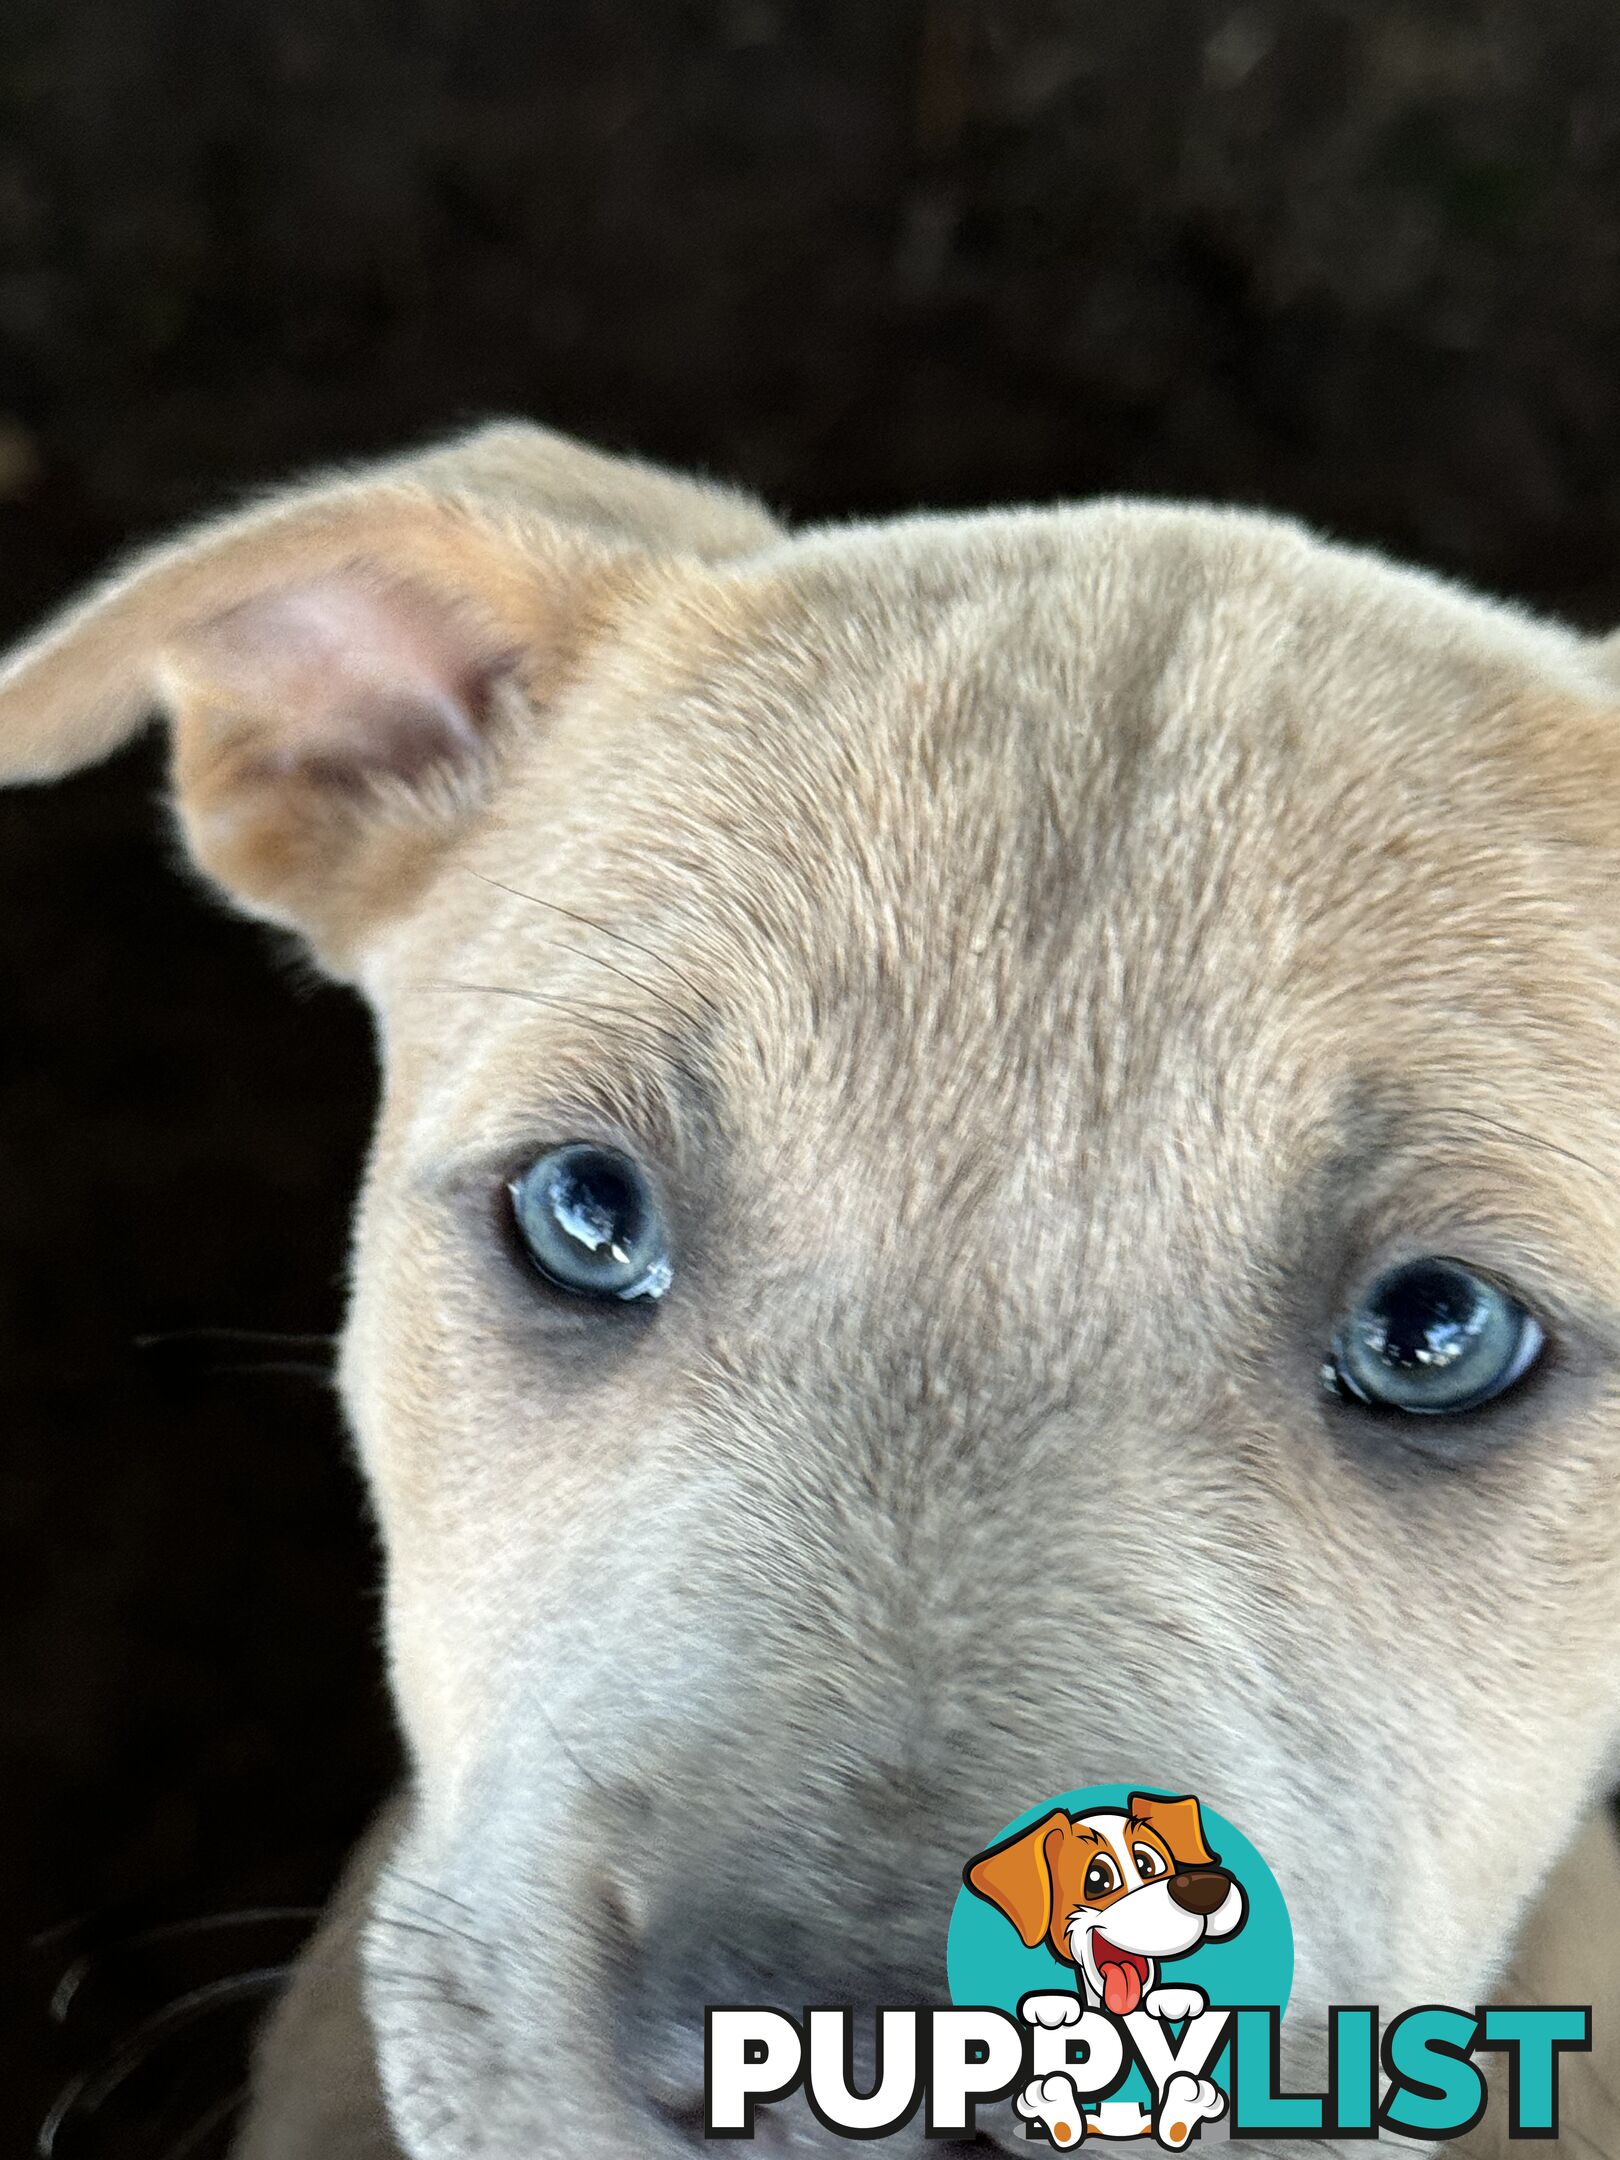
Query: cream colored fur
point(1045, 960)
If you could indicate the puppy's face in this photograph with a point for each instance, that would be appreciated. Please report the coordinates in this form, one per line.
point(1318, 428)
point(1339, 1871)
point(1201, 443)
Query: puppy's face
point(1019, 998)
point(1113, 1892)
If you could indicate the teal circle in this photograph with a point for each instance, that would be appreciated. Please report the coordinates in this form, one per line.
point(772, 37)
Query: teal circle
point(987, 1964)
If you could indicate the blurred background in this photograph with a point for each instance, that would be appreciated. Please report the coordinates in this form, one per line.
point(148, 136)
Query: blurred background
point(1355, 259)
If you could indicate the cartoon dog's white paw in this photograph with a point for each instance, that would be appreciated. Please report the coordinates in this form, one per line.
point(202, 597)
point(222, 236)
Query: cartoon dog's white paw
point(1051, 2011)
point(1175, 2003)
point(1055, 2105)
point(1185, 2103)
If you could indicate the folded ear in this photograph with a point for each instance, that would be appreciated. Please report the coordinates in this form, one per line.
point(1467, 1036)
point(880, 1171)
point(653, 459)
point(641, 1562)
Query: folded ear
point(1016, 1877)
point(1179, 1822)
point(342, 662)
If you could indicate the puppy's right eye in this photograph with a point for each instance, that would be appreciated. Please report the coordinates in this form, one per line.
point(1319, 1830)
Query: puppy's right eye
point(589, 1222)
point(1100, 1879)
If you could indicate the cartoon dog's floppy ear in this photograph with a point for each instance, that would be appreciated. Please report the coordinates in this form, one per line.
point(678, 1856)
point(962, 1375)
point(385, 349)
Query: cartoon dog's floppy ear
point(1179, 1822)
point(1016, 1877)
point(344, 663)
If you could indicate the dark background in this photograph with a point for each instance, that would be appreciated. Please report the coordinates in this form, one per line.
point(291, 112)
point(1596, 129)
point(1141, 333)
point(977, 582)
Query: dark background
point(1357, 261)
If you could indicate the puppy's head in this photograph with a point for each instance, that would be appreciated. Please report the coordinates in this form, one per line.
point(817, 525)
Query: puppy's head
point(996, 1174)
point(1113, 1891)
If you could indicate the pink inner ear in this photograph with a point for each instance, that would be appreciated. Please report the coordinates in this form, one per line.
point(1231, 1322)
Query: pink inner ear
point(348, 677)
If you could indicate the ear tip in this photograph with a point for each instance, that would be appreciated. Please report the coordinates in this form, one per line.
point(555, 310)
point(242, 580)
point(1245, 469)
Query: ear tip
point(45, 735)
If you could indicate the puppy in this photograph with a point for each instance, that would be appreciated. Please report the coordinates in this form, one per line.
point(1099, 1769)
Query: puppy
point(996, 1173)
point(1113, 1893)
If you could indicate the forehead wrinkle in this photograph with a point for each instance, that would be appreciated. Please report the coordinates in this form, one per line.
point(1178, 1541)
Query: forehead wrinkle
point(976, 874)
point(908, 806)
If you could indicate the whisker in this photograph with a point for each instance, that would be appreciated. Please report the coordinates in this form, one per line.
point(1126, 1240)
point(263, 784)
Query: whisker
point(407, 1975)
point(568, 1749)
point(428, 1889)
point(509, 990)
point(67, 1988)
point(313, 1356)
point(405, 1983)
point(432, 1997)
point(434, 1931)
point(1530, 1139)
point(625, 1028)
point(286, 1368)
point(58, 1931)
point(91, 2089)
point(623, 974)
point(204, 2127)
point(589, 922)
point(276, 1338)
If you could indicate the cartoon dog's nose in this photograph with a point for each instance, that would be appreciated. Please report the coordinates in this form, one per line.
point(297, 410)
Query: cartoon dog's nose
point(1200, 1890)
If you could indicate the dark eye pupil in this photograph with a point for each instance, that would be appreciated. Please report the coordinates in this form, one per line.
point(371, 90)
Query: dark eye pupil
point(1427, 1317)
point(595, 1204)
point(590, 1224)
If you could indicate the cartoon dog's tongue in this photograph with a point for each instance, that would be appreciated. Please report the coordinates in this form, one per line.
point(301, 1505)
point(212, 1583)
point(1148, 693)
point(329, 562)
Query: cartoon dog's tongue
point(1121, 1973)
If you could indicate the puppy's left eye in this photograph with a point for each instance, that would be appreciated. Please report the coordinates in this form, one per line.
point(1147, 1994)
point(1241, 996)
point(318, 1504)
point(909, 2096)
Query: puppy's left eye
point(1148, 1862)
point(1431, 1337)
point(590, 1223)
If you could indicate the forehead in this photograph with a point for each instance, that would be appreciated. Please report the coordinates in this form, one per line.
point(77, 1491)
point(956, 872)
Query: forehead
point(1076, 820)
point(1110, 1831)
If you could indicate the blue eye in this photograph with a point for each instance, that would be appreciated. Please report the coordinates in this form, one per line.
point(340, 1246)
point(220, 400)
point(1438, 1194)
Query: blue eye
point(1431, 1337)
point(590, 1223)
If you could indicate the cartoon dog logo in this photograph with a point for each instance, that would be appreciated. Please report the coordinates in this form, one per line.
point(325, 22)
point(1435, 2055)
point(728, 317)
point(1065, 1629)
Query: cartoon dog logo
point(1115, 1893)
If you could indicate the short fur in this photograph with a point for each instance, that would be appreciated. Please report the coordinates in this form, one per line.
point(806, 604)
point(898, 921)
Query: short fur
point(1046, 960)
